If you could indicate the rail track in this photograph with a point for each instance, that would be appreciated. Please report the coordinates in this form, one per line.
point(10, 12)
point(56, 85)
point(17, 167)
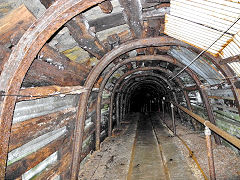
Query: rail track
point(155, 155)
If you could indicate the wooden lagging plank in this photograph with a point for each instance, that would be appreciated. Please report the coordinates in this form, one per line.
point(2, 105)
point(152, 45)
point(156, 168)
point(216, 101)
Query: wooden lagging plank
point(18, 22)
point(18, 168)
point(25, 131)
point(4, 55)
point(133, 16)
point(41, 92)
point(62, 166)
point(48, 74)
point(13, 25)
point(86, 40)
point(48, 53)
point(106, 6)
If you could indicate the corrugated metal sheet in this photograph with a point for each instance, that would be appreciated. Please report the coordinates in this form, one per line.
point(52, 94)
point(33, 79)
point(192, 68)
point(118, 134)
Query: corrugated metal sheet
point(233, 48)
point(25, 110)
point(34, 145)
point(195, 34)
point(235, 67)
point(225, 93)
point(201, 67)
point(41, 166)
point(200, 23)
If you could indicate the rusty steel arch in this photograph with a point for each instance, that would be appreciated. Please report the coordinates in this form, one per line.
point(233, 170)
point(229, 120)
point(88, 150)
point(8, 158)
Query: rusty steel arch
point(129, 73)
point(30, 44)
point(111, 56)
point(22, 56)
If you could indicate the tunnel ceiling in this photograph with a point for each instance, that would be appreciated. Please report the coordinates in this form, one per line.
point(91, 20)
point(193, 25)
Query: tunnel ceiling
point(115, 49)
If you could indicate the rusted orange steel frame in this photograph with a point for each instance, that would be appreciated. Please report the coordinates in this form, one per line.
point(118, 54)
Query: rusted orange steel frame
point(22, 56)
point(30, 44)
point(126, 93)
point(233, 140)
point(108, 75)
point(133, 86)
point(125, 75)
point(153, 84)
point(113, 95)
point(111, 106)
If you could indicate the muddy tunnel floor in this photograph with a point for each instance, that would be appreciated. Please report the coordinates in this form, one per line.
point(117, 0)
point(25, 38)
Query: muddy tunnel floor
point(145, 148)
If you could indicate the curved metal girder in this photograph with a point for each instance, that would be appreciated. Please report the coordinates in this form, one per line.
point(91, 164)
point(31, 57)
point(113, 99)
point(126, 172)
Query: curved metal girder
point(131, 72)
point(22, 56)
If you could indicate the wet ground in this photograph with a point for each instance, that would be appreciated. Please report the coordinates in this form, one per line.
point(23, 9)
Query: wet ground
point(146, 149)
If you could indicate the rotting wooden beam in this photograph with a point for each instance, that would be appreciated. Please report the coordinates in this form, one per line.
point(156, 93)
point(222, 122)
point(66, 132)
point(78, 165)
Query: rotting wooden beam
point(235, 58)
point(86, 39)
point(56, 58)
point(106, 6)
point(40, 92)
point(13, 25)
point(26, 131)
point(11, 30)
point(125, 36)
point(107, 22)
point(43, 73)
point(89, 131)
point(157, 13)
point(58, 167)
point(191, 88)
point(52, 66)
point(18, 63)
point(18, 168)
point(47, 3)
point(133, 15)
point(79, 30)
point(4, 55)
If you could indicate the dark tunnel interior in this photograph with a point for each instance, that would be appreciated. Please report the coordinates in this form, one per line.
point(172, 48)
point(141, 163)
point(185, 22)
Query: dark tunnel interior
point(145, 94)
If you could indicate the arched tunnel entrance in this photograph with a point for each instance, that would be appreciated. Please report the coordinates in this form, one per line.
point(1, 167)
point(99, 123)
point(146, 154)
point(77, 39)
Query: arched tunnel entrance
point(144, 97)
point(90, 94)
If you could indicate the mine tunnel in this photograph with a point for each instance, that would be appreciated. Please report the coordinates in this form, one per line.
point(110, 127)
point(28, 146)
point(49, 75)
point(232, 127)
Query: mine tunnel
point(119, 89)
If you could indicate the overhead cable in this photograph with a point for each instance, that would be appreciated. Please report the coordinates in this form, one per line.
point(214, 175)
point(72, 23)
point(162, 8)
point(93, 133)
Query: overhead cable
point(206, 49)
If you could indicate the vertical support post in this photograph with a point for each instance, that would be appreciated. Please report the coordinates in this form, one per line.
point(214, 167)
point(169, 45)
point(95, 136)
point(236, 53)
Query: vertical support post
point(194, 122)
point(163, 109)
point(117, 110)
point(209, 111)
point(129, 106)
point(173, 119)
point(210, 153)
point(150, 106)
